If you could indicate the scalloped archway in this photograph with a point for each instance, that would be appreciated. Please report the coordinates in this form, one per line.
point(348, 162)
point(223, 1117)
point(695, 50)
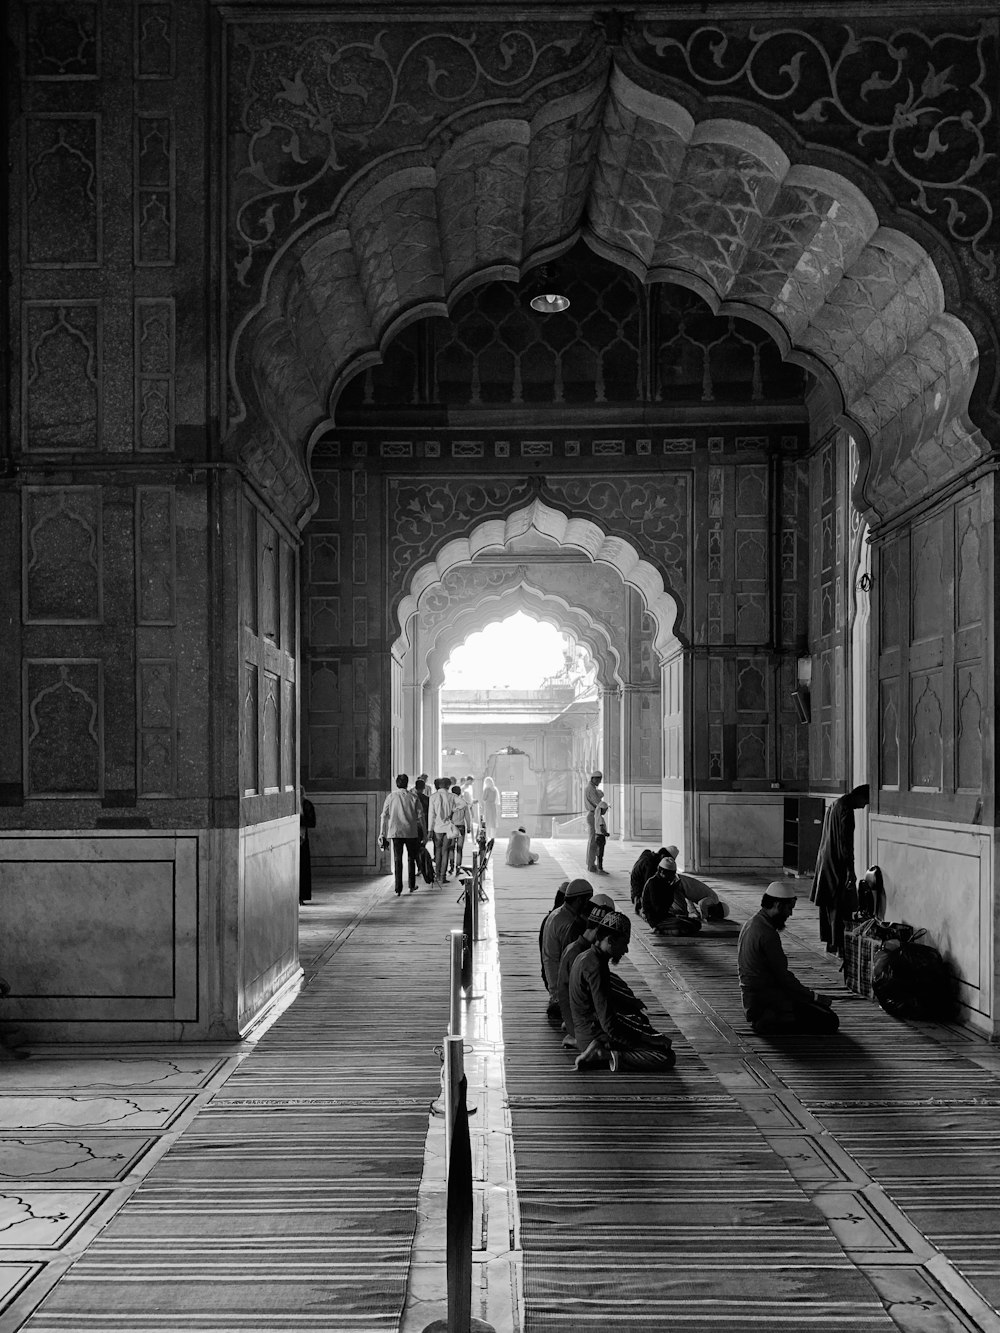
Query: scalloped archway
point(542, 606)
point(714, 204)
point(579, 533)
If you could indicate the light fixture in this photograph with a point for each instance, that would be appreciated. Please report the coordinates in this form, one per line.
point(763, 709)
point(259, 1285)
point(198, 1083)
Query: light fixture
point(546, 298)
point(549, 303)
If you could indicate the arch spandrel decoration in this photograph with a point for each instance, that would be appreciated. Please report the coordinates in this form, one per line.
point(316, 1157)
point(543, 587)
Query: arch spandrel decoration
point(466, 585)
point(677, 193)
point(539, 605)
point(582, 534)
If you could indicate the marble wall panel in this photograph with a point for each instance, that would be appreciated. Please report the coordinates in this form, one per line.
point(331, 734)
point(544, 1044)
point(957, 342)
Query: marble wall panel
point(739, 829)
point(62, 201)
point(346, 830)
point(917, 858)
point(61, 375)
point(63, 552)
point(62, 42)
point(154, 374)
point(100, 928)
point(153, 40)
point(155, 555)
point(154, 192)
point(268, 913)
point(156, 738)
point(63, 723)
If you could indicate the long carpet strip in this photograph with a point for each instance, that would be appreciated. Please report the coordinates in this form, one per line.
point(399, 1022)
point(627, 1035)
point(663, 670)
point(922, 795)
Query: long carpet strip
point(290, 1201)
point(905, 1100)
point(651, 1201)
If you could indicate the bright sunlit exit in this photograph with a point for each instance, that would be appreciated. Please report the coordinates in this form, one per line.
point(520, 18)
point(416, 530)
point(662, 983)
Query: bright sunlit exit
point(514, 654)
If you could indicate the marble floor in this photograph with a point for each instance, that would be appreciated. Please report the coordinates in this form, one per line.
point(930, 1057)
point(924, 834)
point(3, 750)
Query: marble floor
point(82, 1127)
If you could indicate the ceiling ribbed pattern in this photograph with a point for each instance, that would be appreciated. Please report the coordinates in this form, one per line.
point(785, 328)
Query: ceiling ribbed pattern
point(714, 205)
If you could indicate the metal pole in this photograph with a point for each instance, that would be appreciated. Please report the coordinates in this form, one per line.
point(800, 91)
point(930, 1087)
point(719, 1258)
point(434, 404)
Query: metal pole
point(455, 1019)
point(474, 890)
point(453, 1073)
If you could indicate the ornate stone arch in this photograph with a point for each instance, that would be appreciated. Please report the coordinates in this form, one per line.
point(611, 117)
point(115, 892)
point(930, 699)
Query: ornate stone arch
point(714, 203)
point(581, 533)
point(543, 606)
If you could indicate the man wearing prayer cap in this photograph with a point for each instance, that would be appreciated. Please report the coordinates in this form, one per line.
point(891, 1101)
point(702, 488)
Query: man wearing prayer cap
point(561, 926)
point(774, 1000)
point(606, 1036)
point(663, 902)
point(592, 798)
point(600, 905)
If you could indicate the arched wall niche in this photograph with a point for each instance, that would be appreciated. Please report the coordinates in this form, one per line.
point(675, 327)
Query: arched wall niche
point(578, 533)
point(713, 203)
point(601, 651)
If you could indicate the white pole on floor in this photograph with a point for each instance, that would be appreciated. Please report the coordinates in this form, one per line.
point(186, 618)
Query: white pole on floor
point(474, 890)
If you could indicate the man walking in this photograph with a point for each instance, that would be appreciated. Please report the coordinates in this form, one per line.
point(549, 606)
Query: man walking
point(403, 824)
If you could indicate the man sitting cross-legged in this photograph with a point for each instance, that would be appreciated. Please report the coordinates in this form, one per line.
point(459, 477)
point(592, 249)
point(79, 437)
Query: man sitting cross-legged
point(623, 998)
point(607, 1037)
point(774, 1000)
point(563, 924)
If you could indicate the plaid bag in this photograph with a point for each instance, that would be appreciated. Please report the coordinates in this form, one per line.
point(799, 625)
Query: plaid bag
point(862, 941)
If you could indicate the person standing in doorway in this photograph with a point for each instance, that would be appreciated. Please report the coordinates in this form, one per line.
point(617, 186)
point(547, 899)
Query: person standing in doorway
point(491, 807)
point(307, 820)
point(592, 798)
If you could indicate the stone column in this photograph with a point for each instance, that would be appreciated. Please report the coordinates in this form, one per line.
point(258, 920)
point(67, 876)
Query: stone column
point(431, 733)
point(611, 746)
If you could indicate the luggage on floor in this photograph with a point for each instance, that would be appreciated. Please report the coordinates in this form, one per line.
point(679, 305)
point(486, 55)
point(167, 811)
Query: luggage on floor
point(861, 944)
point(912, 980)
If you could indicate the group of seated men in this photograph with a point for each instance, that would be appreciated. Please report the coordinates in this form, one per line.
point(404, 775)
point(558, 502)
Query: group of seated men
point(606, 1022)
point(603, 1019)
point(672, 903)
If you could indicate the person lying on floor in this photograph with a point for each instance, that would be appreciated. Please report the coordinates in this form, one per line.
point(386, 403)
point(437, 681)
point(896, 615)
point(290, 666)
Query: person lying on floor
point(644, 867)
point(623, 999)
point(664, 905)
point(774, 1000)
point(561, 926)
point(607, 1037)
point(699, 895)
point(519, 851)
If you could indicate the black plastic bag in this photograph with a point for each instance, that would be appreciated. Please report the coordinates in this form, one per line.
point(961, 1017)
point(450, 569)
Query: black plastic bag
point(912, 980)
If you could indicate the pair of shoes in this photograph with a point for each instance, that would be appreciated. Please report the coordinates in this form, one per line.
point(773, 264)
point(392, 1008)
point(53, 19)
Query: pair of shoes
point(600, 871)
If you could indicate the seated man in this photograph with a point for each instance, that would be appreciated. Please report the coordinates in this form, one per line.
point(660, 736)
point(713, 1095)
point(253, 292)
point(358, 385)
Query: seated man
point(774, 1000)
point(563, 924)
point(519, 851)
point(606, 1036)
point(560, 898)
point(623, 999)
point(664, 905)
point(644, 867)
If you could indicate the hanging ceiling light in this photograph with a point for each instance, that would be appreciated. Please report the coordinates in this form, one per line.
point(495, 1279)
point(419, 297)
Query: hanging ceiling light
point(549, 303)
point(545, 300)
